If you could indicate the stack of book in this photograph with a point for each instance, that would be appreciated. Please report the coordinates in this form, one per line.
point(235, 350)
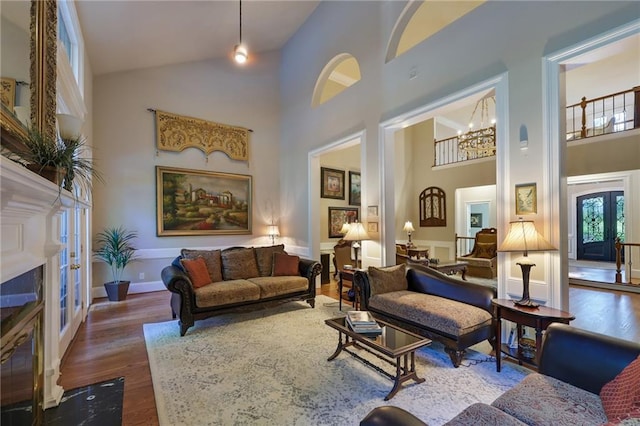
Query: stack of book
point(363, 322)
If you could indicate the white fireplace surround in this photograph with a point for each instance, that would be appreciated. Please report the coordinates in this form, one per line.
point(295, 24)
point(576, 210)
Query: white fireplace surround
point(29, 221)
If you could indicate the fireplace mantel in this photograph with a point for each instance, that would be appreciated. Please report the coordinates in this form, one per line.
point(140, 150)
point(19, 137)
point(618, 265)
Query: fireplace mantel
point(30, 229)
point(28, 201)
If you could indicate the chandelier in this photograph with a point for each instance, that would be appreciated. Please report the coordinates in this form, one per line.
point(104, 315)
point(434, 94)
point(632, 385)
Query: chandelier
point(482, 142)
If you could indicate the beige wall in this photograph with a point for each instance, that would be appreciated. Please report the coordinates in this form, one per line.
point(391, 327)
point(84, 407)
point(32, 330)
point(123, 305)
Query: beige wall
point(125, 149)
point(420, 138)
point(347, 159)
point(609, 154)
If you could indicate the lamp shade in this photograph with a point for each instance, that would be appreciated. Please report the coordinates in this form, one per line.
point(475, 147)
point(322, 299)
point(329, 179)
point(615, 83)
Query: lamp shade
point(69, 125)
point(524, 237)
point(408, 226)
point(272, 230)
point(345, 228)
point(356, 232)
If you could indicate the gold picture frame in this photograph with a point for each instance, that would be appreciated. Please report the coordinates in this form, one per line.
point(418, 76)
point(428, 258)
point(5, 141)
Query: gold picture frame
point(526, 199)
point(198, 202)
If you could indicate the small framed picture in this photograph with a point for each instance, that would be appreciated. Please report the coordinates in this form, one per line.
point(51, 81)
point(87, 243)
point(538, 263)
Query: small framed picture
point(354, 188)
point(476, 220)
point(372, 211)
point(526, 199)
point(338, 216)
point(332, 183)
point(372, 227)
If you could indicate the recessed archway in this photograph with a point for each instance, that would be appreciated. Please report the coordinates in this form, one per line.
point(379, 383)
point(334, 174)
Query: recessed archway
point(341, 72)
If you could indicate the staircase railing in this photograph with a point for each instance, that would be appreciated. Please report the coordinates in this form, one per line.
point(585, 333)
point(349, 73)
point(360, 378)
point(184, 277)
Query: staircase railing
point(619, 247)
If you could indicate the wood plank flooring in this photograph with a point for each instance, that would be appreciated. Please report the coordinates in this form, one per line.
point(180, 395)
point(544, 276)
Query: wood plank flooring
point(111, 342)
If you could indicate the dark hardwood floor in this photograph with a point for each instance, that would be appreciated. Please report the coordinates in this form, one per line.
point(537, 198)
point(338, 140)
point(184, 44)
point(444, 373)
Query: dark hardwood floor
point(111, 342)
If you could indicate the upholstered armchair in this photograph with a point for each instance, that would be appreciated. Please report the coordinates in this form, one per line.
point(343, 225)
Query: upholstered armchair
point(482, 260)
point(341, 255)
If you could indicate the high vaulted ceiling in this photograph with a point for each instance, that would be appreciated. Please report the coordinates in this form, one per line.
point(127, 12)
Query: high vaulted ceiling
point(124, 35)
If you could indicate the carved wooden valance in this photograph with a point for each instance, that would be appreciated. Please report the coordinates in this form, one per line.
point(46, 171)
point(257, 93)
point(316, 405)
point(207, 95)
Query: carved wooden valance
point(176, 132)
point(8, 92)
point(433, 207)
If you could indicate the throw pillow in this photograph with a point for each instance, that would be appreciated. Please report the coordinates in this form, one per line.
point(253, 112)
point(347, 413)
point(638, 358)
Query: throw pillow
point(264, 256)
point(486, 250)
point(211, 258)
point(239, 264)
point(387, 279)
point(285, 265)
point(197, 271)
point(621, 396)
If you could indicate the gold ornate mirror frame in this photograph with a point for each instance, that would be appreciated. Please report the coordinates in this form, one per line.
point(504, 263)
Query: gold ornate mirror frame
point(43, 28)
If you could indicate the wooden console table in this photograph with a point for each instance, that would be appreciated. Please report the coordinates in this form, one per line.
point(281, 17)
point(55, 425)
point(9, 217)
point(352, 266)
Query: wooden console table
point(538, 318)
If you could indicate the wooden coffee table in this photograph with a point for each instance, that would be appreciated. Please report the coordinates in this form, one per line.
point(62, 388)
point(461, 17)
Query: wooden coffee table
point(450, 267)
point(395, 346)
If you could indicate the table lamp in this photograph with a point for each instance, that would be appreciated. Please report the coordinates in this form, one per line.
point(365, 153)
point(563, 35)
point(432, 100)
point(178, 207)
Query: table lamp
point(524, 237)
point(356, 234)
point(273, 232)
point(408, 228)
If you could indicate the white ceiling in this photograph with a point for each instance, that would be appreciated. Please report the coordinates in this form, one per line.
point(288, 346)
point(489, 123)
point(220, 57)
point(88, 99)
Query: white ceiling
point(123, 35)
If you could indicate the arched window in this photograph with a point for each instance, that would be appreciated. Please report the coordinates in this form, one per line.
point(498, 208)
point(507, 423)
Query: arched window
point(421, 19)
point(340, 73)
point(433, 207)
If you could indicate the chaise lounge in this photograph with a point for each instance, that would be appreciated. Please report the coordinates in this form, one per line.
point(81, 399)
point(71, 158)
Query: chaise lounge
point(426, 302)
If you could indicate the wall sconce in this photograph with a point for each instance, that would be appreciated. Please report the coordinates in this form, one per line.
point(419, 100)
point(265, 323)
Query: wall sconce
point(524, 138)
point(273, 232)
point(524, 237)
point(408, 228)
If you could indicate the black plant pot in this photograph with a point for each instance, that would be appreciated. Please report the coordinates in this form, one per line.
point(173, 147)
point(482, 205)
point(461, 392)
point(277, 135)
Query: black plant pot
point(117, 291)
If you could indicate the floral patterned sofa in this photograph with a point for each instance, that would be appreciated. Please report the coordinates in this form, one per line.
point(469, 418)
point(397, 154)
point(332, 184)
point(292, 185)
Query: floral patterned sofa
point(204, 283)
point(584, 378)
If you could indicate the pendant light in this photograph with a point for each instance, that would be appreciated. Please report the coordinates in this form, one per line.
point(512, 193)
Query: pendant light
point(240, 54)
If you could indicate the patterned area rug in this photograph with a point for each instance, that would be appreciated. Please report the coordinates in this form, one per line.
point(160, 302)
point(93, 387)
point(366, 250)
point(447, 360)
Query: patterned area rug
point(269, 367)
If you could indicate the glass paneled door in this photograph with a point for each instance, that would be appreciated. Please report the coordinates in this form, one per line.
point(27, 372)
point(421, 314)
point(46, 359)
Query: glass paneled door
point(71, 275)
point(600, 221)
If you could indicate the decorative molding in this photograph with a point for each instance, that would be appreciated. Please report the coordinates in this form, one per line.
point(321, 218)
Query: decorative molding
point(176, 132)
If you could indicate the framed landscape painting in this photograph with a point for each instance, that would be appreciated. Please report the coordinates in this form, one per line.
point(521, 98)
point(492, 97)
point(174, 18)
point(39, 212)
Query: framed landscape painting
point(194, 202)
point(338, 216)
point(332, 183)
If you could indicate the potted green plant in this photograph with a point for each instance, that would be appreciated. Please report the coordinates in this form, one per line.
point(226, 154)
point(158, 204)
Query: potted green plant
point(114, 247)
point(61, 160)
point(44, 155)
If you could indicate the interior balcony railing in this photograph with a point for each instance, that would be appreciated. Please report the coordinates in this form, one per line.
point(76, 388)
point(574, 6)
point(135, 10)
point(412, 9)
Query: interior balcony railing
point(622, 253)
point(471, 145)
point(607, 114)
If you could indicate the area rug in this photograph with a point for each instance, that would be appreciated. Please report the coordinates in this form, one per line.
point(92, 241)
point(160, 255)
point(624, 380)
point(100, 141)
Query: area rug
point(269, 367)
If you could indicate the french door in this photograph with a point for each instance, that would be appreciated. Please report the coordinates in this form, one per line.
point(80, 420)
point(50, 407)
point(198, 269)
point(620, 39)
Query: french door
point(600, 221)
point(72, 224)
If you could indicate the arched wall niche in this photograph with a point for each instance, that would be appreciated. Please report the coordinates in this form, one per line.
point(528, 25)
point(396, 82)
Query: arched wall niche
point(340, 73)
